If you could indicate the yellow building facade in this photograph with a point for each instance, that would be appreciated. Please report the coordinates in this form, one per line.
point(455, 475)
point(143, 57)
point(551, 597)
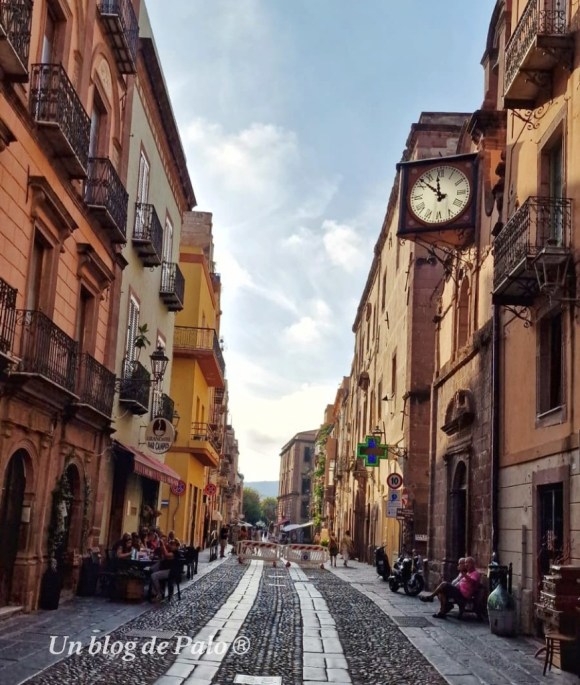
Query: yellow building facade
point(197, 386)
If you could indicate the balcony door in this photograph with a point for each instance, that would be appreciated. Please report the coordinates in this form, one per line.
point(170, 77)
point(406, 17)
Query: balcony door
point(168, 241)
point(132, 330)
point(555, 163)
point(142, 195)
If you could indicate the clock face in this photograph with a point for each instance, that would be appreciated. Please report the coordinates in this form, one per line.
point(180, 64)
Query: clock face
point(440, 194)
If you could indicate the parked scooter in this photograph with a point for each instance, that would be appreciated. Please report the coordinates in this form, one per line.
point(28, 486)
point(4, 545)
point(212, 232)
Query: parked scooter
point(382, 563)
point(407, 573)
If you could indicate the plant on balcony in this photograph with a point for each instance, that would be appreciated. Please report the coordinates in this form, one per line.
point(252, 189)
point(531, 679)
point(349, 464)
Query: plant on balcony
point(141, 340)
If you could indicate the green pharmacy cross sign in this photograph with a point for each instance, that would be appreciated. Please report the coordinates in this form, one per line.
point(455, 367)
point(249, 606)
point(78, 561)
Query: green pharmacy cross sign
point(371, 450)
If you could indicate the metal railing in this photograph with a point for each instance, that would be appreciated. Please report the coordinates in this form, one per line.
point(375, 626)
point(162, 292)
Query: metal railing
point(535, 20)
point(172, 281)
point(148, 227)
point(192, 338)
point(16, 19)
point(95, 384)
point(203, 431)
point(46, 349)
point(7, 315)
point(54, 100)
point(123, 10)
point(135, 383)
point(163, 406)
point(539, 223)
point(105, 189)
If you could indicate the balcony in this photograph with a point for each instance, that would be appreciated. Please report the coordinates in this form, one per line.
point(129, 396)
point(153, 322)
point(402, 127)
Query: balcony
point(7, 316)
point(95, 385)
point(541, 41)
point(148, 235)
point(163, 406)
point(203, 443)
point(106, 197)
point(59, 114)
point(46, 350)
point(533, 244)
point(172, 286)
point(120, 23)
point(201, 344)
point(135, 384)
point(15, 22)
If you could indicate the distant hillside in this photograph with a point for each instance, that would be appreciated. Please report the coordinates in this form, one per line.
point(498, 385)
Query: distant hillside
point(266, 488)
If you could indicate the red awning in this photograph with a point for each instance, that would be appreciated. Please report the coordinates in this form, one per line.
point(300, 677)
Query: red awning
point(149, 467)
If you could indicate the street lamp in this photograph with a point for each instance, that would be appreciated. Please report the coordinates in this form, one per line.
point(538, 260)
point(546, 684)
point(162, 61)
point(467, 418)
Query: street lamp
point(159, 362)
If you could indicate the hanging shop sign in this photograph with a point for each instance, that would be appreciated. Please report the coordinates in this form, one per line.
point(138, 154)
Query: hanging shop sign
point(371, 450)
point(160, 435)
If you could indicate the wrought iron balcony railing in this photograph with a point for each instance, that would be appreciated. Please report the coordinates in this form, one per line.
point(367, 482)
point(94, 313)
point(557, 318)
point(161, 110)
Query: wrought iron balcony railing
point(105, 194)
point(200, 342)
point(15, 23)
point(47, 350)
point(203, 431)
point(148, 234)
point(540, 223)
point(7, 315)
point(57, 109)
point(172, 286)
point(163, 406)
point(95, 385)
point(135, 386)
point(120, 21)
point(533, 48)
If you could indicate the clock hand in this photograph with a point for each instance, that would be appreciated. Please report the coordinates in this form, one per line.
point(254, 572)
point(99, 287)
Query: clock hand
point(431, 187)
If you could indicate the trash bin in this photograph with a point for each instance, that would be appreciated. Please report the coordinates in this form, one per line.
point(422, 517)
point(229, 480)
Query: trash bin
point(89, 576)
point(501, 606)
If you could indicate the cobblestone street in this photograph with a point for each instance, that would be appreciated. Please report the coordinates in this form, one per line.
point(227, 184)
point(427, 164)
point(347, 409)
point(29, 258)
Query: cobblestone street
point(239, 623)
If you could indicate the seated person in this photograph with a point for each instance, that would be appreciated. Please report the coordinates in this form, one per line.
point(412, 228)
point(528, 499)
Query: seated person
point(152, 542)
point(124, 547)
point(136, 542)
point(168, 552)
point(459, 591)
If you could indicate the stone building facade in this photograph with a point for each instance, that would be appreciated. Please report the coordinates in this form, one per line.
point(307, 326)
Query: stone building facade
point(295, 482)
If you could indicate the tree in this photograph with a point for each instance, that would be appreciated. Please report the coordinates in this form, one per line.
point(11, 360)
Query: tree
point(252, 508)
point(269, 509)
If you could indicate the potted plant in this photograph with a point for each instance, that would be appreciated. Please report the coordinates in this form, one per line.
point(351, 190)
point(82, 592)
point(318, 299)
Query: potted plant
point(141, 340)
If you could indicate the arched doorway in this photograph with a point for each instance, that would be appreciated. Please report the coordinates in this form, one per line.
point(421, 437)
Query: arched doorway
point(70, 541)
point(11, 500)
point(458, 530)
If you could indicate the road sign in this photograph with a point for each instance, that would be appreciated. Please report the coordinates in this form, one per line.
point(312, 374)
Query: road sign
point(405, 497)
point(405, 515)
point(160, 435)
point(210, 489)
point(393, 503)
point(178, 488)
point(421, 537)
point(394, 481)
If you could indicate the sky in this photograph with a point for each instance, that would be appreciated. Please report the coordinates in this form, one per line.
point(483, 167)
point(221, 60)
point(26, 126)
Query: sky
point(293, 115)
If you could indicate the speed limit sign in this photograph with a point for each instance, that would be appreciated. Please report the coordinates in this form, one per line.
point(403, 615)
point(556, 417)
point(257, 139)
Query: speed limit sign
point(394, 481)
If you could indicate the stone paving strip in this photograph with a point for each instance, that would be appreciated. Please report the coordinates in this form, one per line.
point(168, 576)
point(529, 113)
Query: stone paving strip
point(323, 656)
point(199, 604)
point(218, 636)
point(375, 649)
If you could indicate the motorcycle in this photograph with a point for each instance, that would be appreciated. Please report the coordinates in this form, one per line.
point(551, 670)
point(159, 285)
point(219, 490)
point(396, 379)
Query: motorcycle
point(382, 563)
point(407, 573)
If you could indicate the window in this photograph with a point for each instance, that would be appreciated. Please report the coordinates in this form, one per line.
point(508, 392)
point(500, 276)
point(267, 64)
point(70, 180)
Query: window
point(85, 315)
point(306, 486)
point(132, 330)
point(143, 182)
point(550, 363)
point(98, 123)
point(384, 295)
point(168, 241)
point(307, 454)
point(39, 274)
point(305, 510)
point(53, 33)
point(379, 399)
point(393, 382)
point(462, 315)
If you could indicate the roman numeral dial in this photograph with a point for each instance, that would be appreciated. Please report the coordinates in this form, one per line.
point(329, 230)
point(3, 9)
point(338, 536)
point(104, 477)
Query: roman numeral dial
point(440, 194)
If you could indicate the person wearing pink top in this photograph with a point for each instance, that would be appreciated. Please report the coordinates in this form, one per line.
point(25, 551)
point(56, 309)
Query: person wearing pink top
point(459, 591)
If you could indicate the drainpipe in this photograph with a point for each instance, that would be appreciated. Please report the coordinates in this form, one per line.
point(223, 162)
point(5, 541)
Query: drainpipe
point(495, 404)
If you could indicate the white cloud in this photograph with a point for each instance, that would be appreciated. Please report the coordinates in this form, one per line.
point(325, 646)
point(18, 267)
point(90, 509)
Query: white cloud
point(343, 245)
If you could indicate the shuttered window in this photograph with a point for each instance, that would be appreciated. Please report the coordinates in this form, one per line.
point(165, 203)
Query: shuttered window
point(168, 241)
point(132, 329)
point(143, 186)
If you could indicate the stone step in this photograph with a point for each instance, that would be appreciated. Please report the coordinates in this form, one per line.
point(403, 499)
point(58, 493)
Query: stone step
point(9, 612)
